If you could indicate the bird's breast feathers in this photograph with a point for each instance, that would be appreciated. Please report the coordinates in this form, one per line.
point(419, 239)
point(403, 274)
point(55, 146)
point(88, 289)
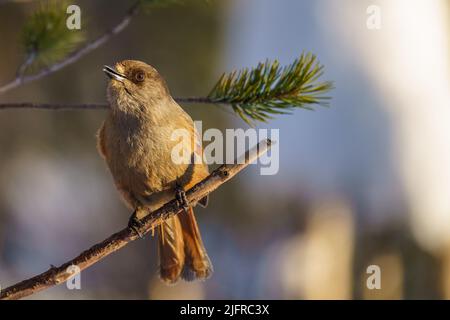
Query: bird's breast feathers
point(141, 159)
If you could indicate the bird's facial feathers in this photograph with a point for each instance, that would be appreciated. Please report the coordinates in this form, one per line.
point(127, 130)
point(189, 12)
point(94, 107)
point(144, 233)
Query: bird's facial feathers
point(137, 84)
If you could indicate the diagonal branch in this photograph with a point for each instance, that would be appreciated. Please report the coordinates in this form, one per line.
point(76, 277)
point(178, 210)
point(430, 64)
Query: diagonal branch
point(57, 275)
point(76, 55)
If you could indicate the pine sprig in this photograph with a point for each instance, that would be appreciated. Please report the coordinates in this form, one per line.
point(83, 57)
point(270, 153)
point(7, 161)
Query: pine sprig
point(269, 89)
point(45, 36)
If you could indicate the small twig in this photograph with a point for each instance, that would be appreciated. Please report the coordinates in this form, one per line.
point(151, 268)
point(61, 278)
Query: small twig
point(76, 55)
point(195, 100)
point(23, 68)
point(57, 275)
point(84, 106)
point(52, 106)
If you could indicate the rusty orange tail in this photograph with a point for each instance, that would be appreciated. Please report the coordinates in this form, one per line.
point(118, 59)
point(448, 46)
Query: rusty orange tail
point(181, 249)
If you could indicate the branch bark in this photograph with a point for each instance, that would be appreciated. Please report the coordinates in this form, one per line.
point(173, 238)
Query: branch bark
point(76, 55)
point(84, 106)
point(52, 106)
point(57, 275)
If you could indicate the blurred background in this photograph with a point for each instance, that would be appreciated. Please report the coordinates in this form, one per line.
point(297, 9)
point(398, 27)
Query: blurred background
point(364, 182)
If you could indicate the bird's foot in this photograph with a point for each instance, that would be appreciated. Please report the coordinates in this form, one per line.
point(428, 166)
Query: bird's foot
point(180, 196)
point(134, 223)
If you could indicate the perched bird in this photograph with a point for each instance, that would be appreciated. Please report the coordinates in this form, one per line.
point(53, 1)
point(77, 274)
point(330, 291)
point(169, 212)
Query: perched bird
point(136, 143)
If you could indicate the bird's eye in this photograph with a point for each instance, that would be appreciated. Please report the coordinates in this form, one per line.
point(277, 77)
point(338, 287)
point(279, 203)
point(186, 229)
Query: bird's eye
point(139, 76)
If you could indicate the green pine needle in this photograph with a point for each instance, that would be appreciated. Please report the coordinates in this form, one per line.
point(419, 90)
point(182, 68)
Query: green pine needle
point(45, 36)
point(269, 89)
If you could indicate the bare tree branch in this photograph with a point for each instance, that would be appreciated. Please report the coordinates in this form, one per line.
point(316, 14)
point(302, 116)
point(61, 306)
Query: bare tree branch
point(52, 106)
point(84, 106)
point(74, 56)
point(57, 275)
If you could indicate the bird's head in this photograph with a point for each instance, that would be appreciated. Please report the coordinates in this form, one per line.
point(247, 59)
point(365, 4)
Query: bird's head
point(135, 84)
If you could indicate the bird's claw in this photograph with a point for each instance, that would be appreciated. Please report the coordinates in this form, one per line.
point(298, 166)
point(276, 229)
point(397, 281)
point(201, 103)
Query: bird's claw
point(134, 223)
point(180, 196)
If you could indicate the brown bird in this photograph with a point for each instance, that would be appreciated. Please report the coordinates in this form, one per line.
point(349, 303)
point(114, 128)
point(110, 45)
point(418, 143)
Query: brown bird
point(136, 143)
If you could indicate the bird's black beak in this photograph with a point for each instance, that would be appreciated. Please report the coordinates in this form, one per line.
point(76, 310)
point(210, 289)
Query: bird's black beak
point(113, 74)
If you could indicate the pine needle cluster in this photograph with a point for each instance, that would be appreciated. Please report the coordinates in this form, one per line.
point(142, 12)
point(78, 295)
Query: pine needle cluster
point(270, 89)
point(45, 36)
